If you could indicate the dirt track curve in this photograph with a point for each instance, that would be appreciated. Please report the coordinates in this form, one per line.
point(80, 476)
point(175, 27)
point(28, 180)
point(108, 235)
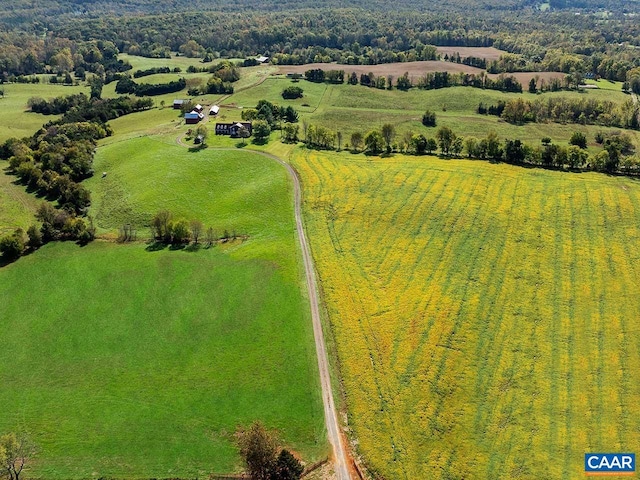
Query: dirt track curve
point(330, 414)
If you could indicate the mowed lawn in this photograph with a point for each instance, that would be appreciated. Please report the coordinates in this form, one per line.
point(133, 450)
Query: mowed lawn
point(486, 316)
point(122, 362)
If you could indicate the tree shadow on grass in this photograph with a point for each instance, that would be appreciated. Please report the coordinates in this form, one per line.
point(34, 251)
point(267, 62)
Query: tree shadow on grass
point(192, 247)
point(156, 246)
point(199, 148)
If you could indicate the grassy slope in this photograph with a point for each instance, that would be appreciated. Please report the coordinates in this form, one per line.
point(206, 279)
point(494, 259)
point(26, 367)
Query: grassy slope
point(350, 108)
point(16, 206)
point(15, 119)
point(485, 315)
point(161, 355)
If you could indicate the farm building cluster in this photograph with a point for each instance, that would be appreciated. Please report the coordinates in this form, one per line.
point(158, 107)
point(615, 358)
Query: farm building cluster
point(233, 129)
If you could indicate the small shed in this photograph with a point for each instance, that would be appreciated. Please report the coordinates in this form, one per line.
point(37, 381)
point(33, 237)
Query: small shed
point(177, 104)
point(262, 59)
point(198, 108)
point(214, 110)
point(192, 118)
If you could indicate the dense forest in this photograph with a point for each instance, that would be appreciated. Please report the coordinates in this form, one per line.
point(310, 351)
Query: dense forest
point(599, 37)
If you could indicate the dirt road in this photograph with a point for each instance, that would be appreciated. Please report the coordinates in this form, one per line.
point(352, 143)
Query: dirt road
point(330, 413)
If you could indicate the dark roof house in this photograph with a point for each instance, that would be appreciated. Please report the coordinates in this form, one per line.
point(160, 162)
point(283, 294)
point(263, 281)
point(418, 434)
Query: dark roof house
point(232, 129)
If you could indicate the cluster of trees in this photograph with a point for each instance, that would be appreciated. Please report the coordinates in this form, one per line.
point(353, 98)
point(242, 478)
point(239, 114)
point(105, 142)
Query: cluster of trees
point(223, 75)
point(225, 70)
point(154, 71)
point(263, 456)
point(56, 224)
point(57, 105)
point(55, 160)
point(128, 85)
point(292, 92)
point(565, 110)
point(166, 230)
point(214, 85)
point(318, 75)
point(270, 113)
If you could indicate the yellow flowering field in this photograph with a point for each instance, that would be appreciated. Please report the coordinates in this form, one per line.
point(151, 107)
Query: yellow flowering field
point(486, 317)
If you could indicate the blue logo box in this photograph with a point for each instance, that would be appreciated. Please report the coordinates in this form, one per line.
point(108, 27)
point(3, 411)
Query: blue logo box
point(609, 463)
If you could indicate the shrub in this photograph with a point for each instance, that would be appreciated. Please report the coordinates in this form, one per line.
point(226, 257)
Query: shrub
point(293, 92)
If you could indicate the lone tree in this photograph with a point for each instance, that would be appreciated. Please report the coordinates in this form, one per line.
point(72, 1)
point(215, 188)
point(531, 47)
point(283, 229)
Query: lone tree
point(196, 230)
point(578, 139)
point(160, 226)
point(445, 138)
point(429, 119)
point(374, 142)
point(261, 131)
point(203, 132)
point(15, 451)
point(244, 134)
point(388, 133)
point(356, 141)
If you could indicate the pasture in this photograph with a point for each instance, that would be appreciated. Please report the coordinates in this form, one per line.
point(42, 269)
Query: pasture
point(15, 118)
point(485, 315)
point(131, 363)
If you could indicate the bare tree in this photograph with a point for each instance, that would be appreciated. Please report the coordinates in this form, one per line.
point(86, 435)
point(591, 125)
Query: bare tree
point(339, 136)
point(15, 451)
point(196, 230)
point(210, 236)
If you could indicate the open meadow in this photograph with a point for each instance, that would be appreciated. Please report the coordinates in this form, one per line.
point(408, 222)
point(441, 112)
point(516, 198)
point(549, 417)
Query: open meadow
point(123, 362)
point(485, 315)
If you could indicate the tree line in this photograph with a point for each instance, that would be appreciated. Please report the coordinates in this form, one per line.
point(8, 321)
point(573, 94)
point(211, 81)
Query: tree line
point(564, 110)
point(428, 81)
point(617, 154)
point(128, 85)
point(179, 232)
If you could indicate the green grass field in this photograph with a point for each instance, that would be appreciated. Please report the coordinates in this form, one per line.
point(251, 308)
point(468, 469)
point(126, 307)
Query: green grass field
point(17, 207)
point(142, 364)
point(485, 316)
point(15, 119)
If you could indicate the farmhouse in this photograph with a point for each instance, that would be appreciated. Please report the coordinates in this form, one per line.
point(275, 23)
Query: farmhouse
point(214, 110)
point(177, 104)
point(232, 129)
point(192, 117)
point(262, 59)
